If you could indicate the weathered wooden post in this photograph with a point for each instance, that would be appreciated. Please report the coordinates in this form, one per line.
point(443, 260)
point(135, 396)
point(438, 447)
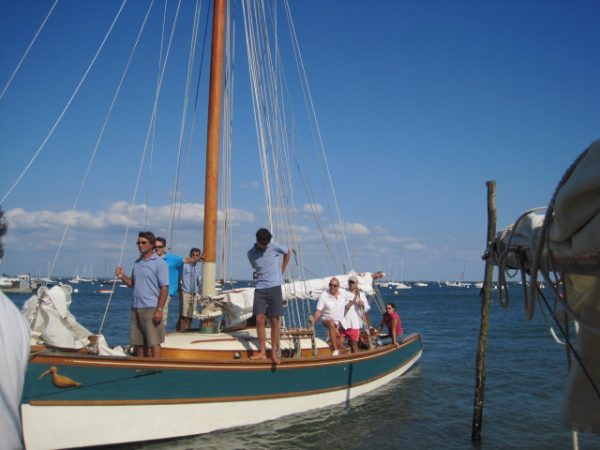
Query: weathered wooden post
point(485, 316)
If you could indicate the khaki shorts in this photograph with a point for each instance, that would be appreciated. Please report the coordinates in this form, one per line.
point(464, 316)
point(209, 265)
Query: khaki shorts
point(143, 331)
point(187, 304)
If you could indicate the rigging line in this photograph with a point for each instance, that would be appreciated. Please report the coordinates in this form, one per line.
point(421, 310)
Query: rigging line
point(252, 69)
point(582, 366)
point(315, 212)
point(143, 155)
point(227, 141)
point(51, 132)
point(253, 73)
point(190, 140)
point(543, 238)
point(310, 195)
point(277, 123)
point(312, 109)
point(160, 75)
point(572, 312)
point(159, 69)
point(101, 134)
point(317, 218)
point(184, 113)
point(549, 325)
point(272, 122)
point(223, 220)
point(8, 83)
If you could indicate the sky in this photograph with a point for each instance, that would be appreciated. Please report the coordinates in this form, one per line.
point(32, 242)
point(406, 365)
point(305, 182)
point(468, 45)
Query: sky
point(418, 105)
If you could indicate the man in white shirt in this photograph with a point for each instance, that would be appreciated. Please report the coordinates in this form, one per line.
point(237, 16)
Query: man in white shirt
point(331, 306)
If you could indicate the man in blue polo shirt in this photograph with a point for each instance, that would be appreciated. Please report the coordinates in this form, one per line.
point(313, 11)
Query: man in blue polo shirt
point(175, 263)
point(268, 298)
point(190, 293)
point(150, 282)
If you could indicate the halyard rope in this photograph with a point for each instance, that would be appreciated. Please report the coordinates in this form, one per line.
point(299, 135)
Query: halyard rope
point(67, 106)
point(28, 48)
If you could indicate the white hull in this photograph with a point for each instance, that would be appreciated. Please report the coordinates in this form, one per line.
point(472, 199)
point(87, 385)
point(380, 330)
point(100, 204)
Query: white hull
point(79, 426)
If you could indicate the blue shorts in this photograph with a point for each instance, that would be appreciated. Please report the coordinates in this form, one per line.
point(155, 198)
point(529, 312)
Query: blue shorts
point(268, 301)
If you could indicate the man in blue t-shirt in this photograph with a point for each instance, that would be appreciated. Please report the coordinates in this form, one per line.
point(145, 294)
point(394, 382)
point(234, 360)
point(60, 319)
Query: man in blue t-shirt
point(175, 263)
point(268, 298)
point(190, 293)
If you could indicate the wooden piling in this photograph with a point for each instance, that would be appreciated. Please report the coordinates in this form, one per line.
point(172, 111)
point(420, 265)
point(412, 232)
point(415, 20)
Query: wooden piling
point(485, 312)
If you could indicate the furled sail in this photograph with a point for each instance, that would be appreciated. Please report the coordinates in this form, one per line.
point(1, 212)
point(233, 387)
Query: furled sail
point(237, 304)
point(564, 246)
point(52, 324)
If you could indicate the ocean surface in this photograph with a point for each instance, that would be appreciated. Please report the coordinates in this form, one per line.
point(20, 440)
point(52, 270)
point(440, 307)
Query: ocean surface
point(430, 407)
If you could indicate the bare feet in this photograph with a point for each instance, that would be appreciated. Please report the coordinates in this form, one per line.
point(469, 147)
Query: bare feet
point(275, 358)
point(258, 356)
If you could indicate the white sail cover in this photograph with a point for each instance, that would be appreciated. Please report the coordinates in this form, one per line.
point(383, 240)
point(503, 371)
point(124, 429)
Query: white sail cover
point(51, 323)
point(575, 227)
point(237, 304)
point(575, 232)
point(523, 236)
point(581, 403)
point(573, 249)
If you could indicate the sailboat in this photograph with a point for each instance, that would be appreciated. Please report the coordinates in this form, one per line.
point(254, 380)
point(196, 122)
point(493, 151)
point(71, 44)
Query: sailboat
point(203, 381)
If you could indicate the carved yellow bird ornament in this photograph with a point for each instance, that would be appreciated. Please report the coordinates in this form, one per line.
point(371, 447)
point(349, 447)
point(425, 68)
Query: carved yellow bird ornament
point(60, 381)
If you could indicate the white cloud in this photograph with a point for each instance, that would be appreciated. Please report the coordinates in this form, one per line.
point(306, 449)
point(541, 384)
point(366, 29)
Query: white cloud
point(311, 208)
point(117, 214)
point(253, 185)
point(414, 246)
point(356, 228)
point(379, 229)
point(406, 243)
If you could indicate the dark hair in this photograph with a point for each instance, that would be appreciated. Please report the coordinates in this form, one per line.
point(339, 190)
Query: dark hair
point(147, 235)
point(392, 305)
point(194, 250)
point(263, 235)
point(162, 239)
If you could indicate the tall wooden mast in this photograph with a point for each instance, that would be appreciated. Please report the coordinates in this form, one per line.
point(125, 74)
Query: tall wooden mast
point(215, 102)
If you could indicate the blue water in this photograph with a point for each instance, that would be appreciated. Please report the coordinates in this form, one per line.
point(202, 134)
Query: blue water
point(432, 405)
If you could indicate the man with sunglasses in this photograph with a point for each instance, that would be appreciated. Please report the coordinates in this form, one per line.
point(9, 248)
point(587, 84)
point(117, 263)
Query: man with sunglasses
point(268, 297)
point(150, 282)
point(331, 306)
point(175, 264)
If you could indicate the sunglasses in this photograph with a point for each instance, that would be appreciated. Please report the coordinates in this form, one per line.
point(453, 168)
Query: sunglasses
point(389, 309)
point(159, 246)
point(142, 242)
point(351, 282)
point(334, 285)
